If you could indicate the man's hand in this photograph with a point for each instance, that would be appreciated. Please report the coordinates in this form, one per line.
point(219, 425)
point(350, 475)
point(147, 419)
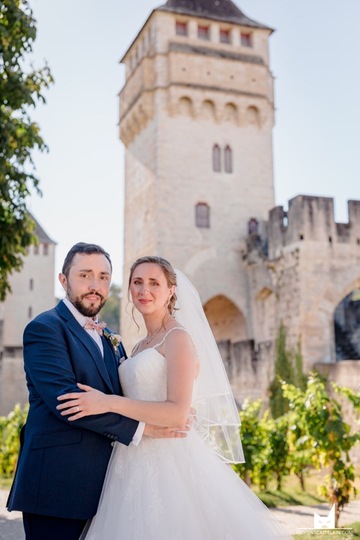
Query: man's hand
point(158, 432)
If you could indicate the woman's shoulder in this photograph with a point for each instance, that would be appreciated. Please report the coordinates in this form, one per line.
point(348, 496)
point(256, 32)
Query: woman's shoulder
point(175, 333)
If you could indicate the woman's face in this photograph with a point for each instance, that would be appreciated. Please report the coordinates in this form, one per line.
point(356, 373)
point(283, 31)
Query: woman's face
point(149, 289)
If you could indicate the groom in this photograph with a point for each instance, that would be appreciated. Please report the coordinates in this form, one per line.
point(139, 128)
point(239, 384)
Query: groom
point(62, 464)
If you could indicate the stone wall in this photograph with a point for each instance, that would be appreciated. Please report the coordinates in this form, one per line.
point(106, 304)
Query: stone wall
point(249, 368)
point(12, 382)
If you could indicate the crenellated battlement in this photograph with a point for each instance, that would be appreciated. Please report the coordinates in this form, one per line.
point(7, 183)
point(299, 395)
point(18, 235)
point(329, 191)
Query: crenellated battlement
point(311, 218)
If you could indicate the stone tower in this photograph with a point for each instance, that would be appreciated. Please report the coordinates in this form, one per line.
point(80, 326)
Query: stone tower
point(32, 292)
point(196, 119)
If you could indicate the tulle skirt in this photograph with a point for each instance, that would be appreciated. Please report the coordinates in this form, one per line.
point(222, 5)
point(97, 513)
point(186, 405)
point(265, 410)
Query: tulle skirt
point(177, 489)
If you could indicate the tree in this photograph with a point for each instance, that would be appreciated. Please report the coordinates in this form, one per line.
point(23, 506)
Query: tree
point(265, 446)
point(278, 459)
point(253, 438)
point(319, 417)
point(288, 368)
point(110, 313)
point(21, 89)
point(10, 427)
point(284, 371)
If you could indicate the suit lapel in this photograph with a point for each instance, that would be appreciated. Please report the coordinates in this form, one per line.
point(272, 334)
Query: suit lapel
point(89, 344)
point(111, 364)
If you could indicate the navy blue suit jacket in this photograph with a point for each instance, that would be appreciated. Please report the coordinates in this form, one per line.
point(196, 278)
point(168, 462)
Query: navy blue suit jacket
point(62, 464)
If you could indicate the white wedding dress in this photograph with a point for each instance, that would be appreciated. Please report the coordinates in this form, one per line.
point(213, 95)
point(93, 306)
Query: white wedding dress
point(173, 489)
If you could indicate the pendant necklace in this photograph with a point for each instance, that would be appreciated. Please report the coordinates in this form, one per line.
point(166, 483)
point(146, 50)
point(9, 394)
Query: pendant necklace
point(150, 338)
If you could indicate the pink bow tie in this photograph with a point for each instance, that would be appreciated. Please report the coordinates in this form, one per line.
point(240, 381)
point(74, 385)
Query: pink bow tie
point(98, 326)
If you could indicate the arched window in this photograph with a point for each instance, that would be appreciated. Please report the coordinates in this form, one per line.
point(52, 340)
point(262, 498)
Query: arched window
point(230, 113)
point(253, 116)
point(228, 160)
point(185, 106)
point(202, 215)
point(208, 110)
point(216, 158)
point(253, 226)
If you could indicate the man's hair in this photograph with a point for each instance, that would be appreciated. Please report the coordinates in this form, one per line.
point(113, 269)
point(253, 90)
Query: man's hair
point(84, 249)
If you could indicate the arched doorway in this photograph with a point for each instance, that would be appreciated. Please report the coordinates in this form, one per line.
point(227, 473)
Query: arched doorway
point(226, 320)
point(347, 327)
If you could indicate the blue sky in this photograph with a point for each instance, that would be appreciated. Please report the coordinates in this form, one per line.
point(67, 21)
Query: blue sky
point(314, 56)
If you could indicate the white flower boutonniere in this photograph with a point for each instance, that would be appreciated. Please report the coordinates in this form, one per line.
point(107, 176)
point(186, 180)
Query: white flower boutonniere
point(113, 338)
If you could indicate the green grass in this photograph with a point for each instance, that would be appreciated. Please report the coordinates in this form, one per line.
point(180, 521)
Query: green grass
point(292, 494)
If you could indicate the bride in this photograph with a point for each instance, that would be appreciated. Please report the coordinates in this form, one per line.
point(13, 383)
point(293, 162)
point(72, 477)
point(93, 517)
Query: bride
point(183, 488)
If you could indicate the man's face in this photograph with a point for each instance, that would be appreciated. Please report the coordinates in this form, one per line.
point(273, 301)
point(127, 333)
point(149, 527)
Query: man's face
point(88, 283)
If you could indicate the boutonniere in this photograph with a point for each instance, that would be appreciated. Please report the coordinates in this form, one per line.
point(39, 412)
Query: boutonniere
point(113, 338)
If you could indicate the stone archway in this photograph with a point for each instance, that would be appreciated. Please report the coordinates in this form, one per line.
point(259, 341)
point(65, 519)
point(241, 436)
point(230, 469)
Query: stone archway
point(347, 327)
point(226, 320)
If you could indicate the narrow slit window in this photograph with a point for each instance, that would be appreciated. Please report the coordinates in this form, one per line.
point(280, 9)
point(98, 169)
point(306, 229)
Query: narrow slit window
point(216, 157)
point(228, 159)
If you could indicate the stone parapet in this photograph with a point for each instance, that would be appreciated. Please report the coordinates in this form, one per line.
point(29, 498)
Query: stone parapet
point(311, 218)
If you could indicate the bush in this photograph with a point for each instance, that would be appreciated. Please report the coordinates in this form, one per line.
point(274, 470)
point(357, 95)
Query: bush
point(10, 427)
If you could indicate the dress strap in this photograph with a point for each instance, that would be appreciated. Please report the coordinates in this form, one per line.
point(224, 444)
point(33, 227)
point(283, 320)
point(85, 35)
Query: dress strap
point(135, 348)
point(169, 332)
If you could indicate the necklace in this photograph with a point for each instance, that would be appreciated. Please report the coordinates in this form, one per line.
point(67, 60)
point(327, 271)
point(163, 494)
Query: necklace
point(148, 339)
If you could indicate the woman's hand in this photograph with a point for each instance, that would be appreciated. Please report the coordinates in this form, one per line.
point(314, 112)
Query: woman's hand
point(80, 404)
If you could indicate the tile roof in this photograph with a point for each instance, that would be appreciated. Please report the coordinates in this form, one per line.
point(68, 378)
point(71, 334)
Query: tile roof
point(221, 10)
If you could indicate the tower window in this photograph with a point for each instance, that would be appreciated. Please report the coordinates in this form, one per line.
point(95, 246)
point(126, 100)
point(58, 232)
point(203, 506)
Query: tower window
point(204, 32)
point(202, 215)
point(181, 28)
point(253, 226)
point(36, 250)
point(246, 39)
point(30, 312)
point(228, 160)
point(31, 284)
point(46, 249)
point(216, 158)
point(224, 36)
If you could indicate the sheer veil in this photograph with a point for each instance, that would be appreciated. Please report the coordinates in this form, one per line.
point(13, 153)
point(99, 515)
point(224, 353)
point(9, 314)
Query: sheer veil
point(217, 419)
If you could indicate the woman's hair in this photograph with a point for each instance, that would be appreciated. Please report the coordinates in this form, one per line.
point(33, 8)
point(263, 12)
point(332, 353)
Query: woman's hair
point(169, 274)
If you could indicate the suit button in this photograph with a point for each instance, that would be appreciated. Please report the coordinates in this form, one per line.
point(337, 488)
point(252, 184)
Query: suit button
point(112, 444)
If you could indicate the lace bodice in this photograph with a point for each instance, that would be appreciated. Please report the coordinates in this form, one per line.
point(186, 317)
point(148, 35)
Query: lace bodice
point(144, 375)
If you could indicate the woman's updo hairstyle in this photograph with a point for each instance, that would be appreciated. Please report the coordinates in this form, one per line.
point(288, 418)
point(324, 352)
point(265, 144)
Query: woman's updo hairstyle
point(169, 274)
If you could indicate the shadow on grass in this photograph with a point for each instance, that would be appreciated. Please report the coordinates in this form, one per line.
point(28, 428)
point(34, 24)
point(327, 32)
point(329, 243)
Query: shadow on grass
point(284, 498)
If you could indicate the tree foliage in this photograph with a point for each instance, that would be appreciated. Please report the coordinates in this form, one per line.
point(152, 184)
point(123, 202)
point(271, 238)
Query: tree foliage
point(21, 88)
point(320, 419)
point(10, 427)
point(265, 446)
point(288, 368)
point(254, 442)
point(110, 313)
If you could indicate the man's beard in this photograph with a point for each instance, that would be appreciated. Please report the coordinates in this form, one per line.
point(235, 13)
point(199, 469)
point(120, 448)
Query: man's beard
point(87, 311)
